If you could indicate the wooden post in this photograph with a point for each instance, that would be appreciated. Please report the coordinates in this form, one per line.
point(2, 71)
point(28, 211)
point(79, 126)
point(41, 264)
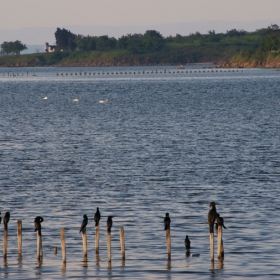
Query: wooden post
point(211, 235)
point(39, 246)
point(220, 251)
point(84, 237)
point(122, 242)
point(97, 239)
point(5, 243)
point(63, 246)
point(109, 245)
point(168, 243)
point(19, 230)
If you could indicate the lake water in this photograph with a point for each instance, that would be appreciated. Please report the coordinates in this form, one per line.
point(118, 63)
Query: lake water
point(164, 142)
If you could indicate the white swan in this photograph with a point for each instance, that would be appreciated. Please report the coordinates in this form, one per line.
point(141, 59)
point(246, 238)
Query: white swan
point(103, 101)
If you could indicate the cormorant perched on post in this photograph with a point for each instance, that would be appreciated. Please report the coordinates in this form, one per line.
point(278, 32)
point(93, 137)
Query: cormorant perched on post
point(84, 223)
point(37, 223)
point(166, 221)
point(187, 243)
point(97, 217)
point(6, 220)
point(109, 223)
point(220, 222)
point(212, 215)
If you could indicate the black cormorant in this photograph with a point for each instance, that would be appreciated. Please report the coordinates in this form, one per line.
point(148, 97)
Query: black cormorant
point(6, 220)
point(97, 217)
point(37, 223)
point(166, 221)
point(220, 221)
point(187, 243)
point(212, 215)
point(109, 223)
point(84, 223)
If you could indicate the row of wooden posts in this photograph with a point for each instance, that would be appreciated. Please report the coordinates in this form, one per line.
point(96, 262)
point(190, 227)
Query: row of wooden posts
point(144, 72)
point(12, 74)
point(220, 248)
point(63, 242)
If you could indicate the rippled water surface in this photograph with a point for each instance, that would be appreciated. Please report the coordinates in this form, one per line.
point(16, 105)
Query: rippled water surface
point(164, 142)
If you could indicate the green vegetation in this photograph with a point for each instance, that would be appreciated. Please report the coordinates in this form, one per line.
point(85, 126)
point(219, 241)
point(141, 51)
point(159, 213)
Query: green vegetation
point(151, 48)
point(12, 48)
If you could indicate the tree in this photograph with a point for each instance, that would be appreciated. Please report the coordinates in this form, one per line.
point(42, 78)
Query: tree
point(152, 40)
point(13, 48)
point(65, 40)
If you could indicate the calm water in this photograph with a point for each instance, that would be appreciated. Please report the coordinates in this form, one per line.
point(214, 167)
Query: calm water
point(165, 142)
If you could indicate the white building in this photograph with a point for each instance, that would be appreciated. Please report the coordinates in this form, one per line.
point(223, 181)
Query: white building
point(50, 48)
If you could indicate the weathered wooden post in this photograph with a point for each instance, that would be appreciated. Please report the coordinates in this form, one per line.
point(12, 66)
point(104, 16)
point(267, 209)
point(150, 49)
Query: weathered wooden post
point(37, 223)
point(39, 246)
point(97, 239)
point(212, 214)
point(19, 235)
point(63, 246)
point(168, 243)
point(220, 241)
point(122, 243)
point(219, 229)
point(109, 245)
point(109, 226)
point(5, 242)
point(84, 238)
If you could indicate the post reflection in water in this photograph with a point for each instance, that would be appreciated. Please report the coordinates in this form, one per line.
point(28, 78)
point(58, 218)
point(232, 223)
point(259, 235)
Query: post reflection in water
point(218, 270)
point(168, 265)
point(109, 265)
point(63, 269)
point(19, 260)
point(38, 268)
point(85, 262)
point(5, 261)
point(97, 262)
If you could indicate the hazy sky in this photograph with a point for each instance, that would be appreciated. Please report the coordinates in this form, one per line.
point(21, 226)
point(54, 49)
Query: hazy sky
point(15, 14)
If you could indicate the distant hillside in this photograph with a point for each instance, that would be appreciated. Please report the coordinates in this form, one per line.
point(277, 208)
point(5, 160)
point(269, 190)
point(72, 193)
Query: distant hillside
point(151, 48)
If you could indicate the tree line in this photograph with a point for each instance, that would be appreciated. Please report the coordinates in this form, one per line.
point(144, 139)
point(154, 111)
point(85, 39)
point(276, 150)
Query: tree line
point(153, 41)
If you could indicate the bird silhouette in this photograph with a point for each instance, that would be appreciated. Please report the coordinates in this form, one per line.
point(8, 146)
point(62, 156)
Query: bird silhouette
point(220, 222)
point(37, 223)
point(6, 220)
point(84, 223)
point(166, 221)
point(109, 223)
point(97, 217)
point(187, 243)
point(212, 215)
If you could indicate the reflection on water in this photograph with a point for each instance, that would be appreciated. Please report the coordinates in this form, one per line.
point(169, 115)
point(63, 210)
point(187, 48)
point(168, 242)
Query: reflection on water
point(168, 265)
point(63, 269)
point(162, 143)
point(19, 260)
point(85, 262)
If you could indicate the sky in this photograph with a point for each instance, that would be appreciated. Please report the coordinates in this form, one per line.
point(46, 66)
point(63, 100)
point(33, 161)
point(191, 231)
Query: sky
point(16, 14)
point(20, 14)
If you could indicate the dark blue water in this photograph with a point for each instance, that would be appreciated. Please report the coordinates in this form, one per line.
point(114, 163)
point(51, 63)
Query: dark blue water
point(164, 142)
